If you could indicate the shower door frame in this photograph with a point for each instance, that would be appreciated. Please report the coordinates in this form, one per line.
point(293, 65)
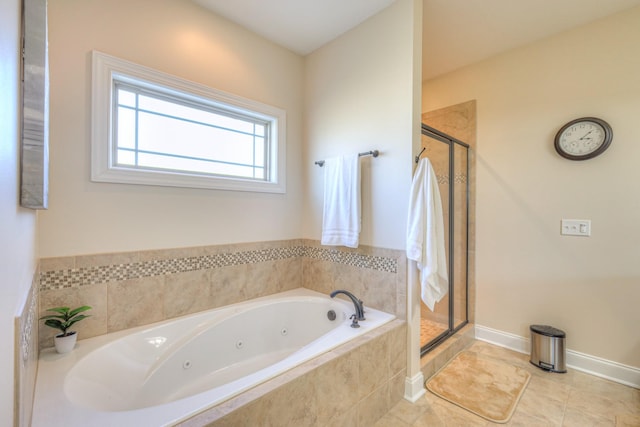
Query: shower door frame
point(452, 329)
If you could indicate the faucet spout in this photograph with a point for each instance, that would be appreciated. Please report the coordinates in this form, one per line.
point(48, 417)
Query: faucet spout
point(357, 303)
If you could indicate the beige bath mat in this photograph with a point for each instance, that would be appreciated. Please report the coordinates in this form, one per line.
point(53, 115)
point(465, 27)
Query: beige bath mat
point(479, 384)
point(627, 420)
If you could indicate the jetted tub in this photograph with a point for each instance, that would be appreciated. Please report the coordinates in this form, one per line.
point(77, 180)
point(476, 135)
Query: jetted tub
point(164, 373)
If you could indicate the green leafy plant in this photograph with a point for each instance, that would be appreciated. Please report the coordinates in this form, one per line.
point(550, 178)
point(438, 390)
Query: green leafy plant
point(65, 318)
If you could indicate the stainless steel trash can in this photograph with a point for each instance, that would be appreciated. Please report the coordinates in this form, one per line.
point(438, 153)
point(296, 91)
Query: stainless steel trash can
point(548, 349)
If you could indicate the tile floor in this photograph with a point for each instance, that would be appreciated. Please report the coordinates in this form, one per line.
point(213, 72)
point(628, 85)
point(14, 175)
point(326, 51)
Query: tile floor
point(574, 399)
point(429, 330)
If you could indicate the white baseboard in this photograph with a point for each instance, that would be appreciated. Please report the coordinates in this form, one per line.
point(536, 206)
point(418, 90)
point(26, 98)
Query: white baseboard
point(414, 387)
point(623, 374)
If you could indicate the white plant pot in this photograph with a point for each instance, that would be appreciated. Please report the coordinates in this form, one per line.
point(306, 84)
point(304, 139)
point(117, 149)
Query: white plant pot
point(65, 344)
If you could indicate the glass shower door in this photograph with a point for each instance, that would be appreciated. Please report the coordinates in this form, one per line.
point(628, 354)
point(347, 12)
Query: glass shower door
point(435, 324)
point(449, 159)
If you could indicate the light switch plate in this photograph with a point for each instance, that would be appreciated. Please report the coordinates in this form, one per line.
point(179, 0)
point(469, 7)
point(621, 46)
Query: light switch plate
point(576, 227)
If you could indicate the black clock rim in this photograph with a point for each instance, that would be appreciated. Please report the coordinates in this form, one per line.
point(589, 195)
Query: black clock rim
point(608, 137)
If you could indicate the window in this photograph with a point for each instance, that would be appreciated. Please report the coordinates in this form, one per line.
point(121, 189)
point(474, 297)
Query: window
point(154, 129)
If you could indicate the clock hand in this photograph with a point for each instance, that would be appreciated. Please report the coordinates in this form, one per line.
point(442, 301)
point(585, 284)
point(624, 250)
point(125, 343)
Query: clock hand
point(587, 134)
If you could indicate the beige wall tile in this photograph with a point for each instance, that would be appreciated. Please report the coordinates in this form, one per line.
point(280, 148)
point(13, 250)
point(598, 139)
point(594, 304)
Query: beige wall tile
point(334, 387)
point(248, 415)
point(337, 386)
point(374, 406)
point(270, 277)
point(401, 288)
point(396, 387)
point(319, 392)
point(86, 261)
point(172, 253)
point(60, 263)
point(373, 368)
point(397, 349)
point(26, 354)
point(319, 275)
point(228, 286)
point(289, 274)
point(193, 291)
point(186, 293)
point(377, 289)
point(460, 122)
point(91, 295)
point(294, 404)
point(344, 419)
point(135, 302)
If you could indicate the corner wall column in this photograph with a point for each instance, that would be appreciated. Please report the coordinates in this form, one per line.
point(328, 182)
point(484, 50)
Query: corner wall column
point(414, 383)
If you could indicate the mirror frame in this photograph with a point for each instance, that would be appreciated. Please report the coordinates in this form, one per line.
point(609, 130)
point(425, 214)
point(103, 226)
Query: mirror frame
point(34, 170)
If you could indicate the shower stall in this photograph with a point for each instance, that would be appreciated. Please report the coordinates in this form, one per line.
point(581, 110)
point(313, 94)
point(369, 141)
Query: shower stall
point(450, 160)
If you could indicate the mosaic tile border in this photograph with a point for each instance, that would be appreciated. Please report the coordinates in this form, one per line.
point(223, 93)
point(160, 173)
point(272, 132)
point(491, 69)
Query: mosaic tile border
point(76, 277)
point(459, 178)
point(26, 354)
point(373, 262)
point(29, 323)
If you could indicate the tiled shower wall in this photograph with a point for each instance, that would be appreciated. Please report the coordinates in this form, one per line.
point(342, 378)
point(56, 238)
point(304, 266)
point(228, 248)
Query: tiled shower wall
point(137, 288)
point(460, 121)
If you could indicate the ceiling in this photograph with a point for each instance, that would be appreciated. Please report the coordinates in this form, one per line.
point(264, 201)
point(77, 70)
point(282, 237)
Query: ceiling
point(455, 32)
point(460, 32)
point(299, 25)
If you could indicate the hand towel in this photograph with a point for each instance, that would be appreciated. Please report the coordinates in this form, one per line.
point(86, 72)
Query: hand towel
point(341, 213)
point(425, 234)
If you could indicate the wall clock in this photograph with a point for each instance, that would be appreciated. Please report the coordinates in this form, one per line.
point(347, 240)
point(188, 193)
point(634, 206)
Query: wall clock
point(583, 138)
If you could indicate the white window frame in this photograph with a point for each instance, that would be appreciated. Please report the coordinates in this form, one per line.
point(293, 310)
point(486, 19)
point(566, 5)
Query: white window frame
point(106, 68)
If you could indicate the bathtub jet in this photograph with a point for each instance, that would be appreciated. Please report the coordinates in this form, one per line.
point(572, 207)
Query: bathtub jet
point(159, 375)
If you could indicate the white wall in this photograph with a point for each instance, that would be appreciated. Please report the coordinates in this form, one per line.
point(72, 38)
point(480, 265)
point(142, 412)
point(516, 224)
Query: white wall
point(359, 96)
point(526, 271)
point(183, 39)
point(17, 225)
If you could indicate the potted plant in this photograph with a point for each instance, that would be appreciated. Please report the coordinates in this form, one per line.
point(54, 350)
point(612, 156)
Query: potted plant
point(66, 341)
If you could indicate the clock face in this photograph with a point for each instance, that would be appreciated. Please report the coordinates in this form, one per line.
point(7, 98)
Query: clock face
point(583, 138)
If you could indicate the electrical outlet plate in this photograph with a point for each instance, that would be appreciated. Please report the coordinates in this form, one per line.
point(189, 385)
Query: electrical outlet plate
point(576, 227)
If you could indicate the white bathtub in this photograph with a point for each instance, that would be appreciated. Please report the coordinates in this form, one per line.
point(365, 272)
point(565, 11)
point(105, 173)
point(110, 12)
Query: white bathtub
point(161, 374)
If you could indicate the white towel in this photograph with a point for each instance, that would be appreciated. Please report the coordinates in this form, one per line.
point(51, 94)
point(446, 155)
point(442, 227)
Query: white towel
point(425, 234)
point(341, 213)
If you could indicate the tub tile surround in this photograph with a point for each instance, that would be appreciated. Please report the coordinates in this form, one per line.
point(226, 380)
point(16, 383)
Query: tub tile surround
point(132, 289)
point(26, 354)
point(338, 388)
point(378, 278)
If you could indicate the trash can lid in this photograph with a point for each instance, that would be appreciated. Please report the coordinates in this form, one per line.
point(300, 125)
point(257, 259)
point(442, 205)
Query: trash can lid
point(549, 331)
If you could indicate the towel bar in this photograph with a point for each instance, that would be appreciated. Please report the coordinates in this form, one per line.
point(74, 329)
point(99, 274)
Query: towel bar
point(373, 153)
